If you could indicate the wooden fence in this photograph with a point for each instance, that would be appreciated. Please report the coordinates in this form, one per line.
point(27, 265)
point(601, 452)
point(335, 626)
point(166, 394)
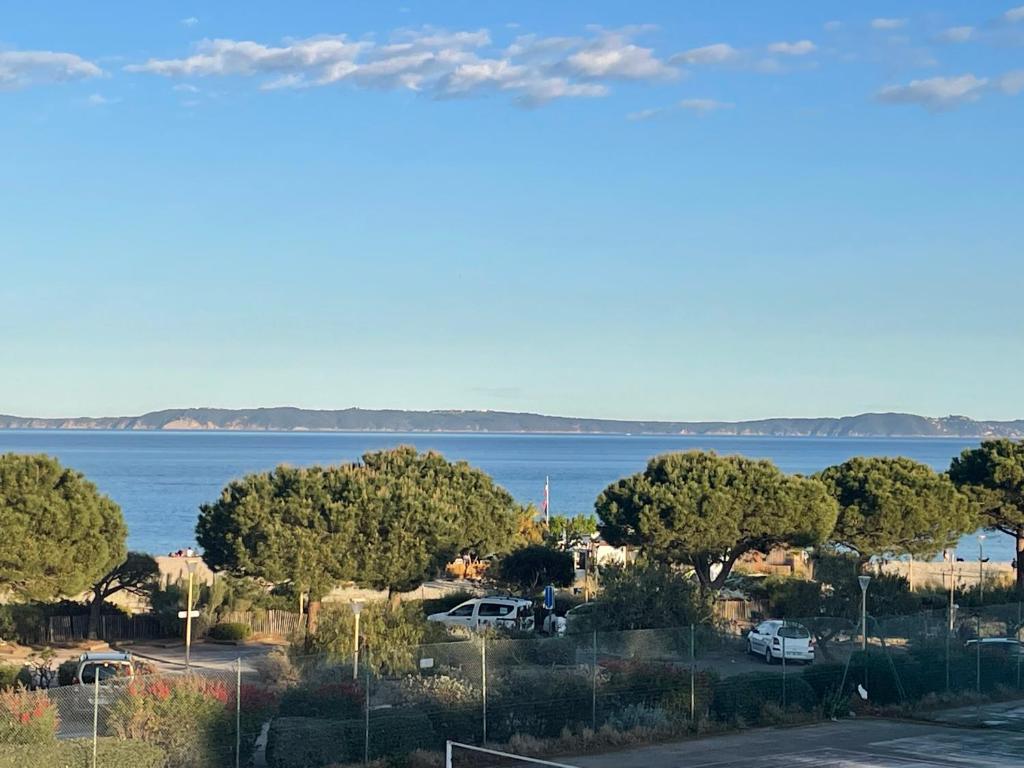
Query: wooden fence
point(70, 629)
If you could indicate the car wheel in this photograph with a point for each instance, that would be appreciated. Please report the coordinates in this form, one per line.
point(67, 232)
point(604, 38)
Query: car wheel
point(768, 656)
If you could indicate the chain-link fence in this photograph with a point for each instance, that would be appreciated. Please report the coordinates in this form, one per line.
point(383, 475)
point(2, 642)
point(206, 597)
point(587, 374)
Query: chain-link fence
point(530, 694)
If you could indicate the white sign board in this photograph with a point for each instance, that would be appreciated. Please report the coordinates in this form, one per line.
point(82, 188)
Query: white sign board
point(187, 614)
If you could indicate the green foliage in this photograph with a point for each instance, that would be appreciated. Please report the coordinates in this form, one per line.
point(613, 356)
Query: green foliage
point(389, 522)
point(742, 697)
point(530, 568)
point(390, 631)
point(300, 742)
point(189, 718)
point(896, 506)
point(229, 632)
point(8, 628)
point(793, 597)
point(644, 596)
point(538, 703)
point(570, 530)
point(60, 533)
point(27, 717)
point(77, 753)
point(9, 675)
point(705, 511)
point(67, 671)
point(336, 701)
point(993, 477)
point(657, 684)
point(137, 575)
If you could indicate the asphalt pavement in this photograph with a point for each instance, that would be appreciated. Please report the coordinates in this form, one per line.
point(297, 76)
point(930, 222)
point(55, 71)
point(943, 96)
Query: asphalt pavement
point(863, 743)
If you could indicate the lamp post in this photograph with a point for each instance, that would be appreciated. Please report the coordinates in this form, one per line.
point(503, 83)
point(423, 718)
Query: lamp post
point(981, 568)
point(191, 566)
point(863, 581)
point(357, 607)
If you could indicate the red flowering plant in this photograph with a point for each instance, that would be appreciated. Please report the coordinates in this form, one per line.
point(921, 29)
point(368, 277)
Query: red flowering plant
point(192, 718)
point(27, 717)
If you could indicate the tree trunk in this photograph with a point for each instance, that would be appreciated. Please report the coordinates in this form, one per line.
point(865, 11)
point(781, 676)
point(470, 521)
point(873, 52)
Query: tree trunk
point(312, 616)
point(1020, 559)
point(95, 609)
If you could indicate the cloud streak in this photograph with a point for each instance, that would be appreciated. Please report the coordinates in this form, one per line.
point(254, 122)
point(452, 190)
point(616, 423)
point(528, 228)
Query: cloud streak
point(440, 63)
point(21, 69)
point(936, 93)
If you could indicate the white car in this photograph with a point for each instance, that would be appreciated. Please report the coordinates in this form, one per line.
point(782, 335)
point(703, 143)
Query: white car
point(481, 612)
point(770, 639)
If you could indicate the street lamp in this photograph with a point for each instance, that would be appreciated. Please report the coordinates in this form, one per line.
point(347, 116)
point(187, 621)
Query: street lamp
point(191, 566)
point(863, 581)
point(357, 607)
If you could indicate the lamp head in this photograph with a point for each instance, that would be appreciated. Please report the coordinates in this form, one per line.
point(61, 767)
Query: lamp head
point(357, 606)
point(191, 566)
point(863, 581)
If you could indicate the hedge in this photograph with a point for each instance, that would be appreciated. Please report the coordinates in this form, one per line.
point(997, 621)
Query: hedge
point(229, 632)
point(77, 753)
point(742, 697)
point(9, 675)
point(310, 742)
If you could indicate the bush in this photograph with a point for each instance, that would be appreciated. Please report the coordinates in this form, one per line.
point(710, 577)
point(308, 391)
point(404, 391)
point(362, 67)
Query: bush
point(539, 702)
point(190, 718)
point(229, 632)
point(77, 753)
point(67, 672)
point(276, 669)
point(665, 686)
point(638, 716)
point(9, 675)
point(741, 698)
point(301, 742)
point(644, 596)
point(336, 701)
point(8, 630)
point(27, 717)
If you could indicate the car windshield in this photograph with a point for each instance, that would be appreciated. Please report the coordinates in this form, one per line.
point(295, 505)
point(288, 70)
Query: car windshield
point(793, 631)
point(107, 670)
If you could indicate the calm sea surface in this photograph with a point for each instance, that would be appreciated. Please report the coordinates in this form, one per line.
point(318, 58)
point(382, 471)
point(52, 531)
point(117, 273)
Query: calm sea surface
point(160, 478)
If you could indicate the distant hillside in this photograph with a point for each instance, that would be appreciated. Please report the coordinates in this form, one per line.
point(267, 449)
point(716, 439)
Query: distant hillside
point(359, 420)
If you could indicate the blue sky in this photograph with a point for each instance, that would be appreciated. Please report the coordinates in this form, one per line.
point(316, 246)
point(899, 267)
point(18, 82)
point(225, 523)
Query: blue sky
point(659, 210)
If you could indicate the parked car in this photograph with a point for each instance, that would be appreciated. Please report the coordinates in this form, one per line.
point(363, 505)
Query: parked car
point(110, 667)
point(479, 612)
point(769, 638)
point(1007, 646)
point(581, 618)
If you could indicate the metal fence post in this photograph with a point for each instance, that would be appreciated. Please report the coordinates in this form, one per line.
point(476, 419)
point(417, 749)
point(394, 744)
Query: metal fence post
point(366, 725)
point(693, 675)
point(95, 714)
point(977, 646)
point(783, 671)
point(483, 681)
point(593, 692)
point(238, 713)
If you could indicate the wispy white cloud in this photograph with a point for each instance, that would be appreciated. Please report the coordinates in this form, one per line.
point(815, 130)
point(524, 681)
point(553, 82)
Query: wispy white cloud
point(99, 100)
point(190, 21)
point(799, 48)
point(1014, 15)
point(185, 88)
point(832, 26)
point(704, 106)
point(20, 69)
point(936, 93)
point(716, 53)
point(888, 23)
point(956, 34)
point(645, 114)
point(437, 62)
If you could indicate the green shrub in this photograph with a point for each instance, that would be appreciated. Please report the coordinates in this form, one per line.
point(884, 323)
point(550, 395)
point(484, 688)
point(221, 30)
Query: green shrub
point(638, 716)
point(67, 672)
point(8, 629)
point(27, 717)
point(9, 675)
point(77, 753)
point(741, 698)
point(336, 701)
point(230, 632)
point(302, 742)
point(539, 702)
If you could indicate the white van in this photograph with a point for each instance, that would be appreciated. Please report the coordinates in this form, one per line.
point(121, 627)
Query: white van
point(499, 612)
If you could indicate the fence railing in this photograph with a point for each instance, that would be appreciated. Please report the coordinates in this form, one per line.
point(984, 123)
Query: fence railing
point(531, 694)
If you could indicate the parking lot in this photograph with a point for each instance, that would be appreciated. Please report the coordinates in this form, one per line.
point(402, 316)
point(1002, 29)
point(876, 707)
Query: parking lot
point(866, 743)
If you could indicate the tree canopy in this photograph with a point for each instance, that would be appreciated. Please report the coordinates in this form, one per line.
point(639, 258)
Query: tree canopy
point(60, 534)
point(993, 476)
point(136, 575)
point(388, 522)
point(535, 566)
point(896, 506)
point(706, 511)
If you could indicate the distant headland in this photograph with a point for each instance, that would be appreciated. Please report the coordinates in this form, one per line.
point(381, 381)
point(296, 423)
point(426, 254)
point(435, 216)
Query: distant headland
point(362, 420)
